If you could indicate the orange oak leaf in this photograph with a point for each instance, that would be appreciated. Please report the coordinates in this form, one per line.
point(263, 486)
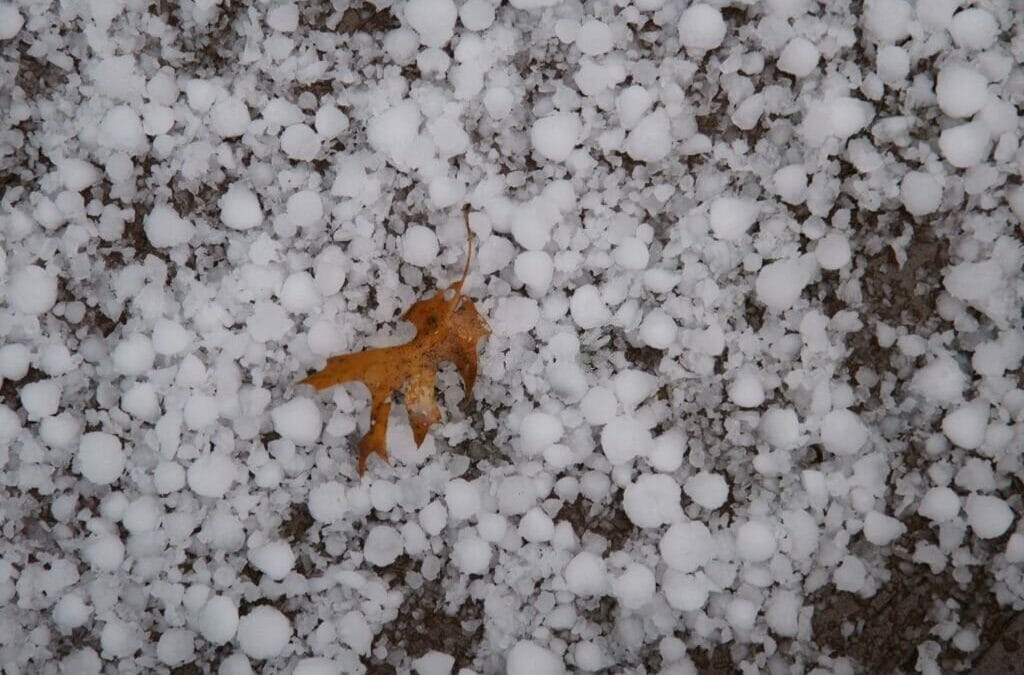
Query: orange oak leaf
point(448, 328)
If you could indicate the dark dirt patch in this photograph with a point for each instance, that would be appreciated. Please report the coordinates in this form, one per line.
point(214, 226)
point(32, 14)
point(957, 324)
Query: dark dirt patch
point(424, 624)
point(610, 522)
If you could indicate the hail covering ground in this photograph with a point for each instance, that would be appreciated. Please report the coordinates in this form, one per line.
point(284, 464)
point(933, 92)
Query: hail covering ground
point(754, 275)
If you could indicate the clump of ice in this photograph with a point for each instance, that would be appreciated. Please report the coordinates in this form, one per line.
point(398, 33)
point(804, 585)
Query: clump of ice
point(101, 458)
point(264, 633)
point(701, 28)
point(556, 135)
point(240, 208)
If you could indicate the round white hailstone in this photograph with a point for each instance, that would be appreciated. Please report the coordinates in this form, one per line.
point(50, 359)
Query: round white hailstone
point(709, 490)
point(537, 431)
point(71, 612)
point(973, 282)
point(687, 546)
point(746, 390)
point(462, 498)
point(77, 174)
point(594, 38)
point(966, 145)
point(791, 183)
point(492, 527)
point(624, 438)
point(10, 425)
point(305, 208)
point(14, 361)
point(100, 457)
point(921, 193)
point(264, 632)
point(200, 411)
point(121, 129)
point(235, 664)
point(881, 530)
point(833, 251)
point(850, 575)
point(849, 115)
point(941, 381)
point(299, 293)
point(892, 64)
point(632, 386)
point(780, 283)
point(134, 355)
point(631, 254)
point(842, 432)
point(498, 101)
point(536, 526)
point(104, 553)
point(635, 587)
point(433, 517)
point(528, 658)
point(176, 647)
point(119, 639)
point(284, 18)
point(318, 665)
point(32, 290)
point(653, 500)
point(966, 425)
point(476, 15)
point(142, 515)
point(240, 208)
point(731, 217)
point(275, 559)
point(229, 117)
point(535, 269)
point(588, 308)
point(940, 504)
point(755, 541)
point(298, 420)
point(960, 90)
point(554, 137)
point(799, 57)
point(330, 122)
point(514, 315)
point(419, 246)
point(701, 27)
point(1014, 548)
point(888, 20)
point(11, 21)
point(974, 28)
point(780, 428)
point(599, 405)
point(516, 495)
point(300, 143)
point(741, 614)
point(783, 613)
point(658, 329)
point(40, 399)
point(168, 477)
point(472, 555)
point(383, 546)
point(685, 592)
point(328, 503)
point(169, 337)
point(989, 517)
point(586, 575)
point(433, 20)
point(651, 139)
point(211, 475)
point(218, 620)
point(632, 104)
point(165, 228)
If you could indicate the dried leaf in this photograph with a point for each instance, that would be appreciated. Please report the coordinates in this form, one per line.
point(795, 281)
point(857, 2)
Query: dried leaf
point(448, 328)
